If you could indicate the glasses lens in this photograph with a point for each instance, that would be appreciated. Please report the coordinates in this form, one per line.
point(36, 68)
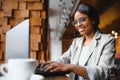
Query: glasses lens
point(81, 19)
point(74, 22)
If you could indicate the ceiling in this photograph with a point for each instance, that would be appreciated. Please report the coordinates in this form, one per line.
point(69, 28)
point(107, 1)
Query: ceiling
point(109, 17)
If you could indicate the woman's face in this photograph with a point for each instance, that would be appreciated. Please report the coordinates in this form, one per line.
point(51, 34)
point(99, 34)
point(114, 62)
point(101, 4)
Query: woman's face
point(83, 24)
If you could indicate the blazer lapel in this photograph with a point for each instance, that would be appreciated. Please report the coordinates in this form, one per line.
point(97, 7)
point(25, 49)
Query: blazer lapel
point(75, 57)
point(91, 49)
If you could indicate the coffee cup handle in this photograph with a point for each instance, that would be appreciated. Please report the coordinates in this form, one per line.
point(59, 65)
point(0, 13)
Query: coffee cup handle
point(3, 68)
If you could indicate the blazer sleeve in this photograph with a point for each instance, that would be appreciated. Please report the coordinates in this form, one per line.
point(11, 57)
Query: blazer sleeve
point(107, 59)
point(65, 58)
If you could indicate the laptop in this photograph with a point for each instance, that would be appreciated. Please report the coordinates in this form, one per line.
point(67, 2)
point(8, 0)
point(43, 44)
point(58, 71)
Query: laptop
point(17, 41)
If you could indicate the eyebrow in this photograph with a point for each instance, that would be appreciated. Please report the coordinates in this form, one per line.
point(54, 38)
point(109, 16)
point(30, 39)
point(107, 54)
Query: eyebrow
point(81, 17)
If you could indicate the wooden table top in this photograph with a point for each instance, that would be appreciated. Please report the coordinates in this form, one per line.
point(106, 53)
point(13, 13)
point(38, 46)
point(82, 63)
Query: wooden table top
point(57, 78)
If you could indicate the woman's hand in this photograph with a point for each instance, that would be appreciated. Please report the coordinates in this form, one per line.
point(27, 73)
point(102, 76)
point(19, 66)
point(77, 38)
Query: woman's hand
point(52, 68)
point(61, 68)
point(42, 66)
point(57, 66)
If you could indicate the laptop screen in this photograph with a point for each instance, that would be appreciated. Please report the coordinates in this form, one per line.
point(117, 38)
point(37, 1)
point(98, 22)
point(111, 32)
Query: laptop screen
point(17, 41)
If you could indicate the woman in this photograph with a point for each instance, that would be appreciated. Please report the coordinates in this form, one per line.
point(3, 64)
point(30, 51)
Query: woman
point(90, 56)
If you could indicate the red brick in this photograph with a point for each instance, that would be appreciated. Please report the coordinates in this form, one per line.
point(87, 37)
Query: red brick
point(35, 30)
point(41, 56)
point(14, 21)
point(1, 13)
point(33, 54)
point(3, 38)
point(0, 31)
point(35, 6)
point(3, 46)
point(34, 42)
point(35, 37)
point(6, 28)
point(27, 0)
point(43, 15)
point(3, 21)
point(35, 13)
point(35, 21)
point(0, 4)
point(21, 13)
point(9, 5)
point(42, 1)
point(7, 12)
point(22, 5)
point(34, 46)
point(41, 30)
point(1, 55)
point(38, 6)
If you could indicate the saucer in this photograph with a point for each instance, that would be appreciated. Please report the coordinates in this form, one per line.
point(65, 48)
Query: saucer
point(37, 77)
point(3, 78)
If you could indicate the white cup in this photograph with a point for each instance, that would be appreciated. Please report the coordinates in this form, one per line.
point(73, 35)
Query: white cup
point(19, 69)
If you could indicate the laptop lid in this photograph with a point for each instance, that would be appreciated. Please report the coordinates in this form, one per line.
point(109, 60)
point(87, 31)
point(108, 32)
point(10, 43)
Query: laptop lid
point(17, 41)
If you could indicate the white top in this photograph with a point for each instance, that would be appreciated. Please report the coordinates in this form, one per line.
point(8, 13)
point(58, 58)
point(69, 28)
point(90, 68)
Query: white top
point(84, 52)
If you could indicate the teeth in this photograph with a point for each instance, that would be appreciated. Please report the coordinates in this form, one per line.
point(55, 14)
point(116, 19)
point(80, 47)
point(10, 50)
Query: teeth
point(81, 29)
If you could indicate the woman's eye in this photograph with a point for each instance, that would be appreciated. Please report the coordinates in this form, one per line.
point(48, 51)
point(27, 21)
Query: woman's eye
point(81, 19)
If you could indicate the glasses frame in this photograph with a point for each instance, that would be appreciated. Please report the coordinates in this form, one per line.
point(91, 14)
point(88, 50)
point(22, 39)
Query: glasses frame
point(80, 20)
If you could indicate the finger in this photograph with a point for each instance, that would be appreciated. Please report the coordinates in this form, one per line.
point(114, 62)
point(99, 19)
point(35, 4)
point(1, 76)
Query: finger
point(48, 68)
point(38, 66)
point(45, 67)
point(54, 70)
point(43, 64)
point(46, 64)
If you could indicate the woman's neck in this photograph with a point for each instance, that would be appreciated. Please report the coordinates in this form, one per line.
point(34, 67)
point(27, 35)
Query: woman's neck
point(88, 39)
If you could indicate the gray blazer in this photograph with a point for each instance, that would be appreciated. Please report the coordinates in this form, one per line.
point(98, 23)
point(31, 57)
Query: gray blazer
point(100, 58)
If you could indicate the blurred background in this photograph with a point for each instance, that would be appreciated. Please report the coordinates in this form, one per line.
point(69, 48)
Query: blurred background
point(50, 26)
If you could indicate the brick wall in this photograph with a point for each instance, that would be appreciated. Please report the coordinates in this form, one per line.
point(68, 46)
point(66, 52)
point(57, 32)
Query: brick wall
point(12, 12)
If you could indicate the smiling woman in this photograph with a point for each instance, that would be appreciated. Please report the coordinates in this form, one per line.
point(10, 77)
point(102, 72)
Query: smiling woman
point(90, 56)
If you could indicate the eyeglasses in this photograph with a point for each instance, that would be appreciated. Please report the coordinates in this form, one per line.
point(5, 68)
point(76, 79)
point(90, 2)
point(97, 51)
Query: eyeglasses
point(80, 20)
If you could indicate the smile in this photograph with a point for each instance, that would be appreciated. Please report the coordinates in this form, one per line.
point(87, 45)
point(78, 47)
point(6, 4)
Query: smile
point(81, 29)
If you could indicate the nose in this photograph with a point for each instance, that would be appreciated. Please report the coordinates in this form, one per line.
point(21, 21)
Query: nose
point(78, 23)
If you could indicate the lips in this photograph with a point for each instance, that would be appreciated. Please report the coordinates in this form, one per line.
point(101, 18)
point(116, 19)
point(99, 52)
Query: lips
point(81, 29)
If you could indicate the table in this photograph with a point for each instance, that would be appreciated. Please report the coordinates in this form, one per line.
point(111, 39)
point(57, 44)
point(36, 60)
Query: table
point(57, 78)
